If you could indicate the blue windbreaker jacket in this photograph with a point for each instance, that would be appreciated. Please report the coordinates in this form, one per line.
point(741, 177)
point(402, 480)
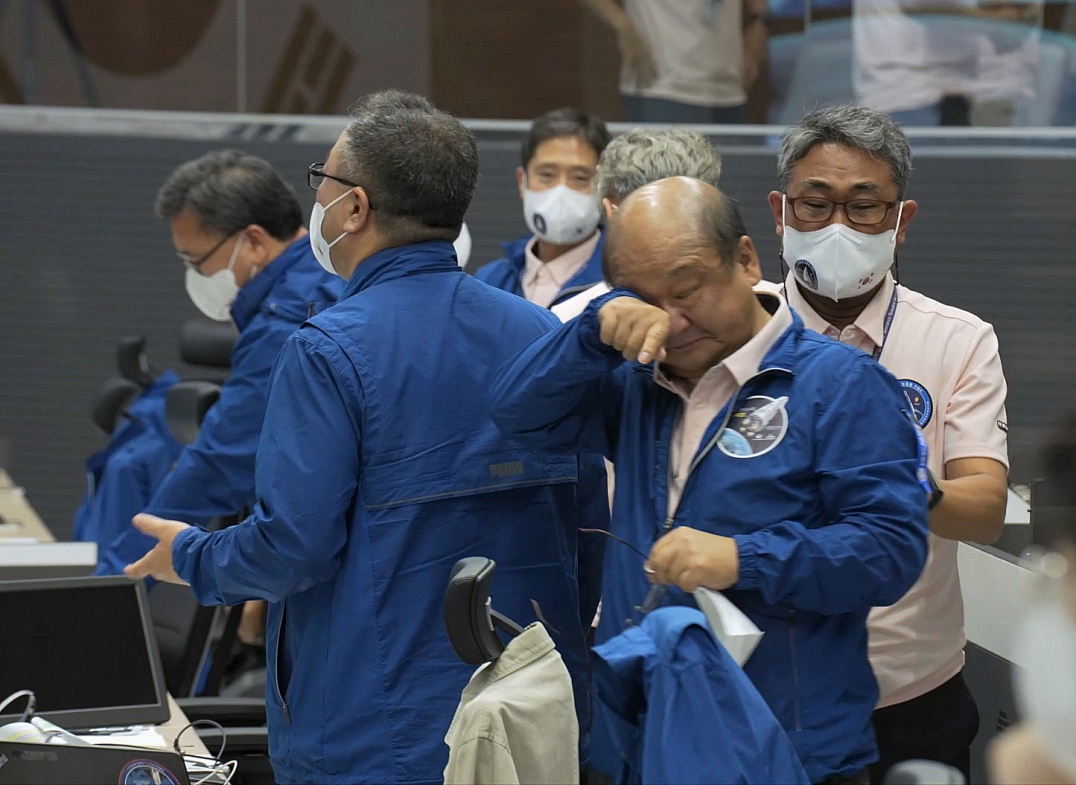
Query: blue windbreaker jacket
point(507, 272)
point(829, 522)
point(379, 467)
point(122, 478)
point(681, 710)
point(215, 475)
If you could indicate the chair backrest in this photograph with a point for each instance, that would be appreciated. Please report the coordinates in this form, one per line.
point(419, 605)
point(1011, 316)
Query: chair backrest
point(132, 362)
point(110, 403)
point(208, 346)
point(186, 405)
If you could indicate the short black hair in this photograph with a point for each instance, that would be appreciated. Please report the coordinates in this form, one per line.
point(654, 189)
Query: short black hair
point(719, 228)
point(228, 190)
point(564, 122)
point(418, 165)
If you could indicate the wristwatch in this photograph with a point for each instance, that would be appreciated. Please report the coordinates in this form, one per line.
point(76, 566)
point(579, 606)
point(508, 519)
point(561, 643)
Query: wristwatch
point(936, 493)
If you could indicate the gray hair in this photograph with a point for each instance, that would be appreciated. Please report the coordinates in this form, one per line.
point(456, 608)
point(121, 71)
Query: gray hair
point(418, 165)
point(867, 130)
point(228, 190)
point(644, 156)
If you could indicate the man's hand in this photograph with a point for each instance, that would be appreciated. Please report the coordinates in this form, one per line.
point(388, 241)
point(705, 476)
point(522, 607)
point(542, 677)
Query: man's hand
point(158, 562)
point(635, 329)
point(635, 52)
point(689, 558)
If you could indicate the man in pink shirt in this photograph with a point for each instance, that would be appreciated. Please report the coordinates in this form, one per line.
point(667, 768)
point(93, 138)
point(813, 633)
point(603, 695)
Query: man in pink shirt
point(562, 255)
point(841, 214)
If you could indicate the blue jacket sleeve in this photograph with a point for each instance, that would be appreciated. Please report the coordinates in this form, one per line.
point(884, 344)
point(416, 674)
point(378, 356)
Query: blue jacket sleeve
point(306, 480)
point(564, 391)
point(215, 475)
point(873, 549)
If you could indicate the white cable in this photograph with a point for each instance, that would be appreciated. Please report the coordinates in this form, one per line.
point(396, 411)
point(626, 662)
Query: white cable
point(31, 703)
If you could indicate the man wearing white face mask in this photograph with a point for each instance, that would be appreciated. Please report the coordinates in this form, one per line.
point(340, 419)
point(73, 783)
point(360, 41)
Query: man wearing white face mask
point(238, 228)
point(841, 215)
point(562, 255)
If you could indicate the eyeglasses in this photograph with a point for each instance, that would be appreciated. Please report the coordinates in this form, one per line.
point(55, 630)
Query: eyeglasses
point(316, 173)
point(653, 596)
point(816, 209)
point(194, 264)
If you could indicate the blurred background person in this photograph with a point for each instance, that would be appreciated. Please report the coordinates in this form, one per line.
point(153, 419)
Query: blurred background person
point(686, 61)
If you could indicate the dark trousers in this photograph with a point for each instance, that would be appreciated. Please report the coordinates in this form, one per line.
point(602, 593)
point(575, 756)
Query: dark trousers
point(939, 725)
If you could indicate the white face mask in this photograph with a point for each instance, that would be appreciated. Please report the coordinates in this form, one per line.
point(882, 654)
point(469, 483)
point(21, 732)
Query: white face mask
point(462, 244)
point(560, 215)
point(836, 261)
point(317, 241)
point(1045, 684)
point(214, 294)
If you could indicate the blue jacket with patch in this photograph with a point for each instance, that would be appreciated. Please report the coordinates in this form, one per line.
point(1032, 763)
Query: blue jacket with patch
point(215, 475)
point(121, 478)
point(829, 522)
point(679, 709)
point(378, 469)
point(507, 272)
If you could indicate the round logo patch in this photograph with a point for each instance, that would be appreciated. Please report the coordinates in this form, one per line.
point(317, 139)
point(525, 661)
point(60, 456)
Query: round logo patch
point(146, 772)
point(805, 272)
point(755, 428)
point(922, 406)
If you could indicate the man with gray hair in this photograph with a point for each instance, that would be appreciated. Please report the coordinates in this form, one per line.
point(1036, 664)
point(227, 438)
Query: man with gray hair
point(634, 159)
point(841, 213)
point(238, 228)
point(380, 467)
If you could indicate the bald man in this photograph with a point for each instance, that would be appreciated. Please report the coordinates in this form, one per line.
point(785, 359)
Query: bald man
point(753, 457)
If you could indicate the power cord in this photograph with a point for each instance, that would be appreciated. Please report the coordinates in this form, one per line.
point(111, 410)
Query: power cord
point(213, 767)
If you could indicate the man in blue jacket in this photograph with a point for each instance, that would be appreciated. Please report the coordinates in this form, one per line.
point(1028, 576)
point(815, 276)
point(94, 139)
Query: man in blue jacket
point(754, 457)
point(563, 253)
point(238, 228)
point(379, 467)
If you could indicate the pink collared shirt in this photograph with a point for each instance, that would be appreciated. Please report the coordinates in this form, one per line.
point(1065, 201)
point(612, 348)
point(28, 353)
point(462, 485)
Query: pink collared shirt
point(542, 281)
point(704, 401)
point(947, 362)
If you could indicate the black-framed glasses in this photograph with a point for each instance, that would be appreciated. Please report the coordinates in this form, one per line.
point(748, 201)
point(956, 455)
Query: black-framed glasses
point(195, 264)
point(816, 209)
point(653, 597)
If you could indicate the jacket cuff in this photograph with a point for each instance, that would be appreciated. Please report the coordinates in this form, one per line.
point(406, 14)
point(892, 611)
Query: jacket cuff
point(749, 569)
point(182, 546)
point(591, 327)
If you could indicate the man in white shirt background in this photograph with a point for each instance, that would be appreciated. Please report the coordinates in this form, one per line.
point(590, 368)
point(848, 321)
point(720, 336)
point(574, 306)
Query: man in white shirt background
point(563, 252)
point(841, 214)
point(686, 61)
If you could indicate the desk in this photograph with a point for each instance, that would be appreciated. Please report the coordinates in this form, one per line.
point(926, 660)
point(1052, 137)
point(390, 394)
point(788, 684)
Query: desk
point(190, 743)
point(15, 509)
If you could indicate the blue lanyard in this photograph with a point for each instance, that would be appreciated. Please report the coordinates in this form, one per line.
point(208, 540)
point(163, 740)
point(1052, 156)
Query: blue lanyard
point(889, 314)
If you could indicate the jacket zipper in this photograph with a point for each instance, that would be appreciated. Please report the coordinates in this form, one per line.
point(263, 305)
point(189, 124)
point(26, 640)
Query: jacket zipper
point(276, 668)
point(795, 667)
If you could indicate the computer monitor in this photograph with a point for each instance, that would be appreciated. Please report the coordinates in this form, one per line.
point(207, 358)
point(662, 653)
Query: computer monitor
point(85, 647)
point(26, 561)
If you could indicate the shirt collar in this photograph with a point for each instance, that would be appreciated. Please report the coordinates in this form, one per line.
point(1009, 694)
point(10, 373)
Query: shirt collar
point(527, 647)
point(871, 321)
point(250, 298)
point(564, 267)
point(745, 362)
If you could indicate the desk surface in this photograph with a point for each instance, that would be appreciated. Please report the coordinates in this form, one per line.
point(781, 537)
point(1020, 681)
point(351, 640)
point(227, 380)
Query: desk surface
point(190, 743)
point(15, 509)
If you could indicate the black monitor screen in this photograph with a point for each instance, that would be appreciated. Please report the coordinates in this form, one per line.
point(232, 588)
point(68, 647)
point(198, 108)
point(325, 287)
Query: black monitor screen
point(79, 644)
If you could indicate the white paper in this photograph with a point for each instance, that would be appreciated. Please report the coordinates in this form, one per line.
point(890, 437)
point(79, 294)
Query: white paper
point(136, 736)
point(733, 630)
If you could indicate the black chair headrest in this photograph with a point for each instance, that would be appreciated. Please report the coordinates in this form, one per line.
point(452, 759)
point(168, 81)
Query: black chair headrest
point(132, 362)
point(111, 402)
point(208, 343)
point(185, 406)
point(469, 619)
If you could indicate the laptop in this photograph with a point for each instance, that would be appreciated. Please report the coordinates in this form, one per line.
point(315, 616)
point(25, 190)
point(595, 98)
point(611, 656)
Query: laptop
point(86, 648)
point(19, 561)
point(69, 764)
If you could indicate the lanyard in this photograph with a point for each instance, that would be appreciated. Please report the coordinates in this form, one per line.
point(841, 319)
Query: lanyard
point(889, 314)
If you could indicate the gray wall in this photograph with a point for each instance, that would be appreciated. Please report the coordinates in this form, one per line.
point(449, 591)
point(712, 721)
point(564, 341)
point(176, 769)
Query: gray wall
point(87, 263)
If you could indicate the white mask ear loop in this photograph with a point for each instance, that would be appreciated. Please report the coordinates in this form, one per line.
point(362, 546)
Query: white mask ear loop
point(330, 204)
point(235, 252)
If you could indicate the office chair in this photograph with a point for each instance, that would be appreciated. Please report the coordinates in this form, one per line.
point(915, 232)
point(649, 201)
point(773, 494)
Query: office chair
point(207, 345)
point(109, 406)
